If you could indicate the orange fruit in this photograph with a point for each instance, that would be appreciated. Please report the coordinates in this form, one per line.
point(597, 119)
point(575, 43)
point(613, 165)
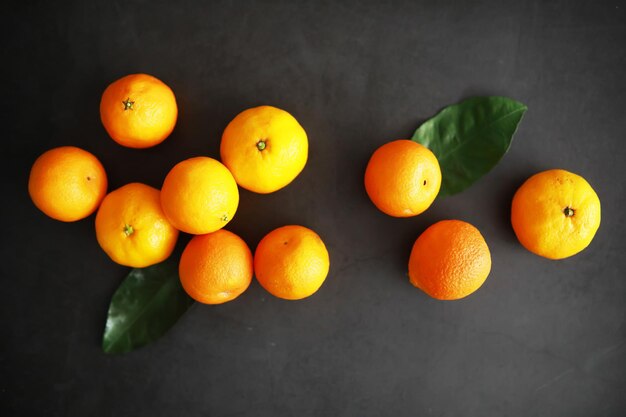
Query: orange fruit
point(138, 111)
point(291, 262)
point(450, 260)
point(555, 214)
point(199, 195)
point(402, 178)
point(265, 148)
point(67, 183)
point(132, 228)
point(216, 267)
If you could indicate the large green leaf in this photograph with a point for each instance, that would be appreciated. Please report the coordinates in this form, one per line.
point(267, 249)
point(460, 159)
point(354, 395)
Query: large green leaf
point(147, 303)
point(470, 138)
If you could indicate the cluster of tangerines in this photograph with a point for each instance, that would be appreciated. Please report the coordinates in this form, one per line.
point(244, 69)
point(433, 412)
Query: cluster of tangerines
point(554, 214)
point(262, 149)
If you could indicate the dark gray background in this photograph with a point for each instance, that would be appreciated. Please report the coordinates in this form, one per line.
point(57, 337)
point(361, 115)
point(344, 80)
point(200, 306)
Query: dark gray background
point(540, 338)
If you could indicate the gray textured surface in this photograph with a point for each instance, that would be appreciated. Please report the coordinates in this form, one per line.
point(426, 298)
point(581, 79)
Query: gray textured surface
point(540, 338)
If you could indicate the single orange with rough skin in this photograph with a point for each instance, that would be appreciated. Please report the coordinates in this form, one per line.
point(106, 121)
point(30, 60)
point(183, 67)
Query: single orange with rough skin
point(449, 260)
point(138, 111)
point(199, 195)
point(291, 262)
point(132, 228)
point(67, 183)
point(216, 267)
point(265, 148)
point(555, 214)
point(402, 178)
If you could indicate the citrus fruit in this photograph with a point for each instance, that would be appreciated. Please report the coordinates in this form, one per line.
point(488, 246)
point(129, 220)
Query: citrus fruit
point(199, 195)
point(450, 260)
point(216, 267)
point(132, 228)
point(402, 178)
point(67, 183)
point(138, 111)
point(265, 148)
point(555, 214)
point(291, 262)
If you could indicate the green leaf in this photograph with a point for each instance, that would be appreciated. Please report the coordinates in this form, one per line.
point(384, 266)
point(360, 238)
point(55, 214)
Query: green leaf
point(147, 303)
point(470, 138)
